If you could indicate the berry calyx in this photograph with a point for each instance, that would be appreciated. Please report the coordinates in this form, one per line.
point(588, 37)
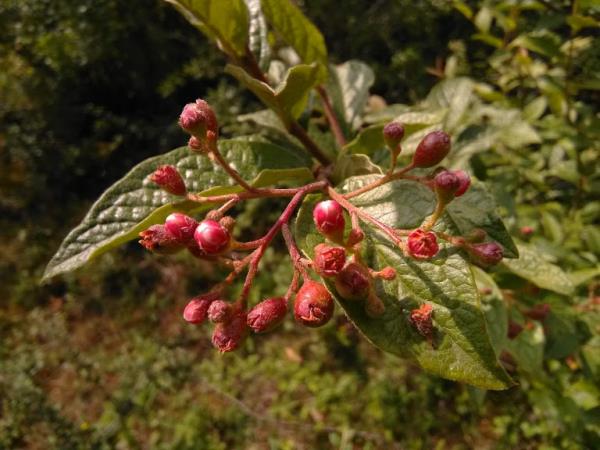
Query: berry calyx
point(267, 314)
point(422, 244)
point(158, 240)
point(329, 219)
point(329, 261)
point(181, 227)
point(464, 181)
point(197, 308)
point(313, 306)
point(422, 321)
point(212, 237)
point(169, 179)
point(219, 311)
point(486, 254)
point(393, 133)
point(446, 184)
point(432, 149)
point(227, 336)
point(353, 282)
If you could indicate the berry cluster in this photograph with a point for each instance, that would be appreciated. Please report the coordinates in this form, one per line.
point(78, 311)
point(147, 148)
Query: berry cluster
point(338, 259)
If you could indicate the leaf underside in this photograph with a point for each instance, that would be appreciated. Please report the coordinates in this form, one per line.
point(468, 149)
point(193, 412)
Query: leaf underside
point(134, 203)
point(462, 350)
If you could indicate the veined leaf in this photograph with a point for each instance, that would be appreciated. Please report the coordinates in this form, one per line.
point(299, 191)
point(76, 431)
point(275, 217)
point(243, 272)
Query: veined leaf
point(226, 22)
point(462, 349)
point(455, 94)
point(134, 203)
point(298, 32)
point(258, 41)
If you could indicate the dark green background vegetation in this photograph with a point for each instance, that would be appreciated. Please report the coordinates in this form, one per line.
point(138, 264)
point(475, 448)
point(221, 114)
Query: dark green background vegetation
point(101, 359)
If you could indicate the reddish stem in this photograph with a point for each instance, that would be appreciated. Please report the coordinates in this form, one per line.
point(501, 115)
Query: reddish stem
point(380, 182)
point(331, 117)
point(294, 251)
point(216, 154)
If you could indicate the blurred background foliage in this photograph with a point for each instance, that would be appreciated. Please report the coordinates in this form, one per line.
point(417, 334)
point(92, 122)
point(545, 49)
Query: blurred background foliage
point(100, 358)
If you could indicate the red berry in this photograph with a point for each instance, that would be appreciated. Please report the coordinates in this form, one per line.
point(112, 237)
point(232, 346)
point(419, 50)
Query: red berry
point(219, 311)
point(393, 133)
point(353, 282)
point(197, 308)
point(446, 184)
point(212, 237)
point(486, 254)
point(464, 182)
point(432, 149)
point(228, 336)
point(313, 306)
point(329, 218)
point(421, 320)
point(169, 179)
point(158, 240)
point(181, 227)
point(267, 314)
point(538, 312)
point(527, 231)
point(514, 329)
point(422, 244)
point(329, 260)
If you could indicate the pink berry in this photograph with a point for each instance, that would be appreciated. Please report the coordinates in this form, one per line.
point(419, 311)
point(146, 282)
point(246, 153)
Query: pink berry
point(219, 311)
point(486, 254)
point(267, 314)
point(432, 149)
point(464, 182)
point(422, 244)
point(198, 118)
point(212, 237)
point(446, 184)
point(227, 336)
point(393, 133)
point(329, 218)
point(169, 179)
point(329, 260)
point(353, 282)
point(158, 240)
point(181, 227)
point(314, 305)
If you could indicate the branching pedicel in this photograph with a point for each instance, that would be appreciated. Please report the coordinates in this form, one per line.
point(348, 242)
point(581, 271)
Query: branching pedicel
point(340, 259)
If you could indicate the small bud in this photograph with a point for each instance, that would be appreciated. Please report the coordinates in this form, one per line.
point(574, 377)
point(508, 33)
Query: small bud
point(353, 282)
point(387, 273)
point(158, 240)
point(355, 236)
point(486, 254)
point(169, 179)
point(198, 118)
point(227, 222)
point(538, 312)
point(228, 336)
point(464, 182)
point(267, 314)
point(527, 231)
point(329, 218)
point(446, 184)
point(476, 235)
point(374, 307)
point(422, 244)
point(219, 311)
point(212, 237)
point(514, 329)
point(422, 321)
point(329, 260)
point(197, 309)
point(393, 133)
point(181, 227)
point(432, 149)
point(196, 145)
point(313, 306)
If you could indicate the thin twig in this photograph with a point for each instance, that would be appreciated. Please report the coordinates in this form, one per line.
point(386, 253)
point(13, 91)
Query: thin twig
point(331, 117)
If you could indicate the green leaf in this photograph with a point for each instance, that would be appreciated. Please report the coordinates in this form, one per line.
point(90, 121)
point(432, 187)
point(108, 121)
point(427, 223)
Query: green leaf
point(494, 310)
point(528, 349)
point(462, 348)
point(348, 166)
point(454, 94)
point(477, 209)
point(348, 86)
point(134, 203)
point(226, 22)
point(289, 99)
point(258, 41)
point(534, 268)
point(368, 141)
point(298, 32)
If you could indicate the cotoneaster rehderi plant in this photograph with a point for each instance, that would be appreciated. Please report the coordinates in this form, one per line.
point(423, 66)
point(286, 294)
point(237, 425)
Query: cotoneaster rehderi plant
point(392, 244)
